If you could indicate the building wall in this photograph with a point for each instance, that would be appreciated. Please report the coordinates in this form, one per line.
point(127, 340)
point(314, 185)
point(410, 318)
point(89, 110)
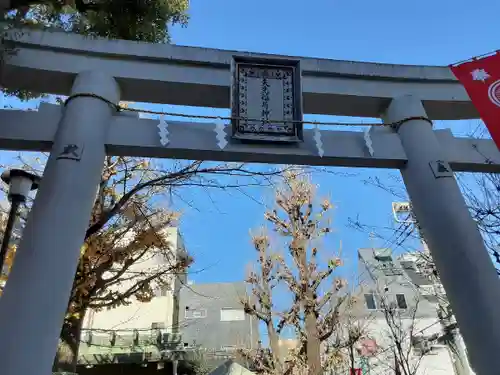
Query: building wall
point(437, 362)
point(390, 278)
point(212, 317)
point(160, 312)
point(384, 277)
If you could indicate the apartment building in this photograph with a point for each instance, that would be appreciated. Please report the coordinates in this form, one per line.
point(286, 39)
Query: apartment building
point(389, 283)
point(182, 321)
point(212, 317)
point(140, 329)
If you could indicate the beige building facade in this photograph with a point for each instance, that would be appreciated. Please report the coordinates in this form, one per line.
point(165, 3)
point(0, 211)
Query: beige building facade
point(139, 331)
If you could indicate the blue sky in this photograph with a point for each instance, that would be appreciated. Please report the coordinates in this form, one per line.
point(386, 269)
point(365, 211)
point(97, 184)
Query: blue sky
point(390, 31)
point(387, 31)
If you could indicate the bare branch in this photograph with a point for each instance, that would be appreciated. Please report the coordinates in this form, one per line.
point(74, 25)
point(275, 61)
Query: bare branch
point(299, 223)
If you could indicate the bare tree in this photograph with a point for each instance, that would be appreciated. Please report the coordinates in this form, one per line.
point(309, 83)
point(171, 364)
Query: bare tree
point(482, 195)
point(402, 338)
point(313, 316)
point(356, 328)
point(482, 192)
point(450, 331)
point(9, 256)
point(197, 364)
point(125, 228)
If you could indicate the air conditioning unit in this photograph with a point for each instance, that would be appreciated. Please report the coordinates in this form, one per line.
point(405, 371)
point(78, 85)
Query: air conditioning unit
point(427, 290)
point(425, 345)
point(383, 254)
point(439, 289)
point(438, 347)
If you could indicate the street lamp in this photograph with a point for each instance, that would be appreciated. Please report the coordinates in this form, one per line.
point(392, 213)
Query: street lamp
point(20, 184)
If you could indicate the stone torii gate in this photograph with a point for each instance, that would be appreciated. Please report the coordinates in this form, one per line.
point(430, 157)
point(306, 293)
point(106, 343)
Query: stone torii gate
point(80, 134)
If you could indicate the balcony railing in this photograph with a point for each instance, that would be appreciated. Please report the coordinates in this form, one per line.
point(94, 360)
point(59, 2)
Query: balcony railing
point(126, 346)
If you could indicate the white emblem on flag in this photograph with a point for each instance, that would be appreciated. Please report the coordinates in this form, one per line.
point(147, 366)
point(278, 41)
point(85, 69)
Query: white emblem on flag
point(479, 75)
point(494, 93)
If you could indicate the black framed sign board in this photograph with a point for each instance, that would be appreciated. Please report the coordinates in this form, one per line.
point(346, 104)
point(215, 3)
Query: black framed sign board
point(266, 99)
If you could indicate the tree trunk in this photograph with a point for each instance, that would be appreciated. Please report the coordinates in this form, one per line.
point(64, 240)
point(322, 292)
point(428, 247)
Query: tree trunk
point(67, 352)
point(397, 369)
point(313, 344)
point(352, 359)
point(275, 348)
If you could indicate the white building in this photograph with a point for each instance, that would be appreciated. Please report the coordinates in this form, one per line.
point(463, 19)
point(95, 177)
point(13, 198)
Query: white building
point(140, 327)
point(397, 303)
point(161, 312)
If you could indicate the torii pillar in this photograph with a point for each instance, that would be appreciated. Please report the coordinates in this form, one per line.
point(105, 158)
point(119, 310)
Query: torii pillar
point(464, 266)
point(35, 299)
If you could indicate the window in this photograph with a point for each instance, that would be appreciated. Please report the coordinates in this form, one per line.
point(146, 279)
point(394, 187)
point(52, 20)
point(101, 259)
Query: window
point(195, 313)
point(164, 289)
point(232, 315)
point(408, 265)
point(157, 325)
point(370, 302)
point(401, 301)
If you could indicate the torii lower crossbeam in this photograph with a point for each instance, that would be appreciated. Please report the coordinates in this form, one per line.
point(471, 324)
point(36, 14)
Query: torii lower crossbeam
point(129, 135)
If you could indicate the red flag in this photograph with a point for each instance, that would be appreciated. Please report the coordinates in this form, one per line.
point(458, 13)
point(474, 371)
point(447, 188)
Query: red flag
point(481, 79)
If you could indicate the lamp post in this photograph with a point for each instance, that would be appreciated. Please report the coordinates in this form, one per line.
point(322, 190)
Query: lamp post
point(20, 184)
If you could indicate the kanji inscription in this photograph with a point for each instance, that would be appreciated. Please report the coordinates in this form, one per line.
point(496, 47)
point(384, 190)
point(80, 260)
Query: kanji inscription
point(265, 103)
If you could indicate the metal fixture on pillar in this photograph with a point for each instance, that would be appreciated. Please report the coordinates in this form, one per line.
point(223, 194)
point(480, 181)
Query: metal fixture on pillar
point(20, 184)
